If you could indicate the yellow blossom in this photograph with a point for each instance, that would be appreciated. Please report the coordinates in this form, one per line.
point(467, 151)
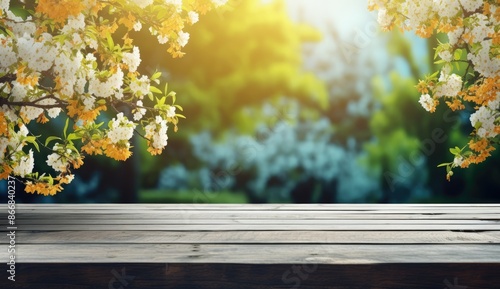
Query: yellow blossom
point(60, 10)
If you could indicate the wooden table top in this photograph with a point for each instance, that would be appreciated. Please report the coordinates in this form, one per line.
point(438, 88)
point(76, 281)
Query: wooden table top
point(256, 233)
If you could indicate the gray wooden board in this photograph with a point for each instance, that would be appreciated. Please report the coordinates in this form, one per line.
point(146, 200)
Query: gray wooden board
point(283, 215)
point(264, 206)
point(256, 237)
point(256, 234)
point(257, 227)
point(235, 220)
point(257, 253)
point(494, 208)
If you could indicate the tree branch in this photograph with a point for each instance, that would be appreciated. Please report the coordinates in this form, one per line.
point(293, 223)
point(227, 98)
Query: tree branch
point(59, 104)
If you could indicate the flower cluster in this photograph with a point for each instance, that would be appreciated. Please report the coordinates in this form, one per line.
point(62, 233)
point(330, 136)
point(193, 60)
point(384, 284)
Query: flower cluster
point(72, 59)
point(470, 73)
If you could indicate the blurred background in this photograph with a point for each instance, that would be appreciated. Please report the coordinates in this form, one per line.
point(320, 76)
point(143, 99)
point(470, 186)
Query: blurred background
point(293, 102)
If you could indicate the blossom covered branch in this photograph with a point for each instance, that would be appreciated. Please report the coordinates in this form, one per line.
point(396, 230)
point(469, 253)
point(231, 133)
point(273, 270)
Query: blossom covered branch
point(62, 59)
point(472, 27)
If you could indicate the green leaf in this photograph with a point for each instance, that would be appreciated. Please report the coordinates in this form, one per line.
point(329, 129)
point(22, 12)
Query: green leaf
point(32, 140)
point(457, 55)
point(51, 180)
point(161, 101)
point(154, 89)
point(111, 44)
point(71, 147)
point(434, 75)
point(73, 136)
point(162, 13)
point(156, 75)
point(442, 165)
point(455, 150)
point(173, 95)
point(51, 138)
point(96, 137)
point(65, 131)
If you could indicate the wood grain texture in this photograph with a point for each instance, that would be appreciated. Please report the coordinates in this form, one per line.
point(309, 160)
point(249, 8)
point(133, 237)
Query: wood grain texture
point(257, 237)
point(260, 227)
point(256, 246)
point(251, 215)
point(257, 253)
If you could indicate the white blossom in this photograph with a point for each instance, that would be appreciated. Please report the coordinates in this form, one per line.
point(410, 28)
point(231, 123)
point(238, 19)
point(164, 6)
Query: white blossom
point(218, 3)
point(446, 8)
point(449, 85)
point(132, 60)
point(57, 161)
point(171, 111)
point(457, 161)
point(139, 111)
point(120, 129)
point(137, 26)
point(471, 5)
point(25, 165)
point(176, 3)
point(7, 54)
point(426, 101)
point(156, 132)
point(107, 87)
point(140, 86)
point(162, 39)
point(193, 17)
point(484, 118)
point(183, 38)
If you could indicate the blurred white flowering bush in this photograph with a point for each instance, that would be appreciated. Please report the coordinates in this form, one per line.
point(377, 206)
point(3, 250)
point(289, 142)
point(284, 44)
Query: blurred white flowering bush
point(276, 160)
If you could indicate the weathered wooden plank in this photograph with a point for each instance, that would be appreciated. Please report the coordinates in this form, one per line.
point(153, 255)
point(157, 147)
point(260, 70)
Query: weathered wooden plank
point(258, 237)
point(257, 253)
point(282, 215)
point(257, 227)
point(233, 220)
point(264, 206)
point(486, 208)
point(246, 276)
point(297, 212)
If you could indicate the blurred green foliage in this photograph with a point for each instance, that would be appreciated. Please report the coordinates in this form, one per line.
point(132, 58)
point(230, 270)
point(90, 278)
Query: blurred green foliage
point(163, 196)
point(236, 59)
point(239, 58)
